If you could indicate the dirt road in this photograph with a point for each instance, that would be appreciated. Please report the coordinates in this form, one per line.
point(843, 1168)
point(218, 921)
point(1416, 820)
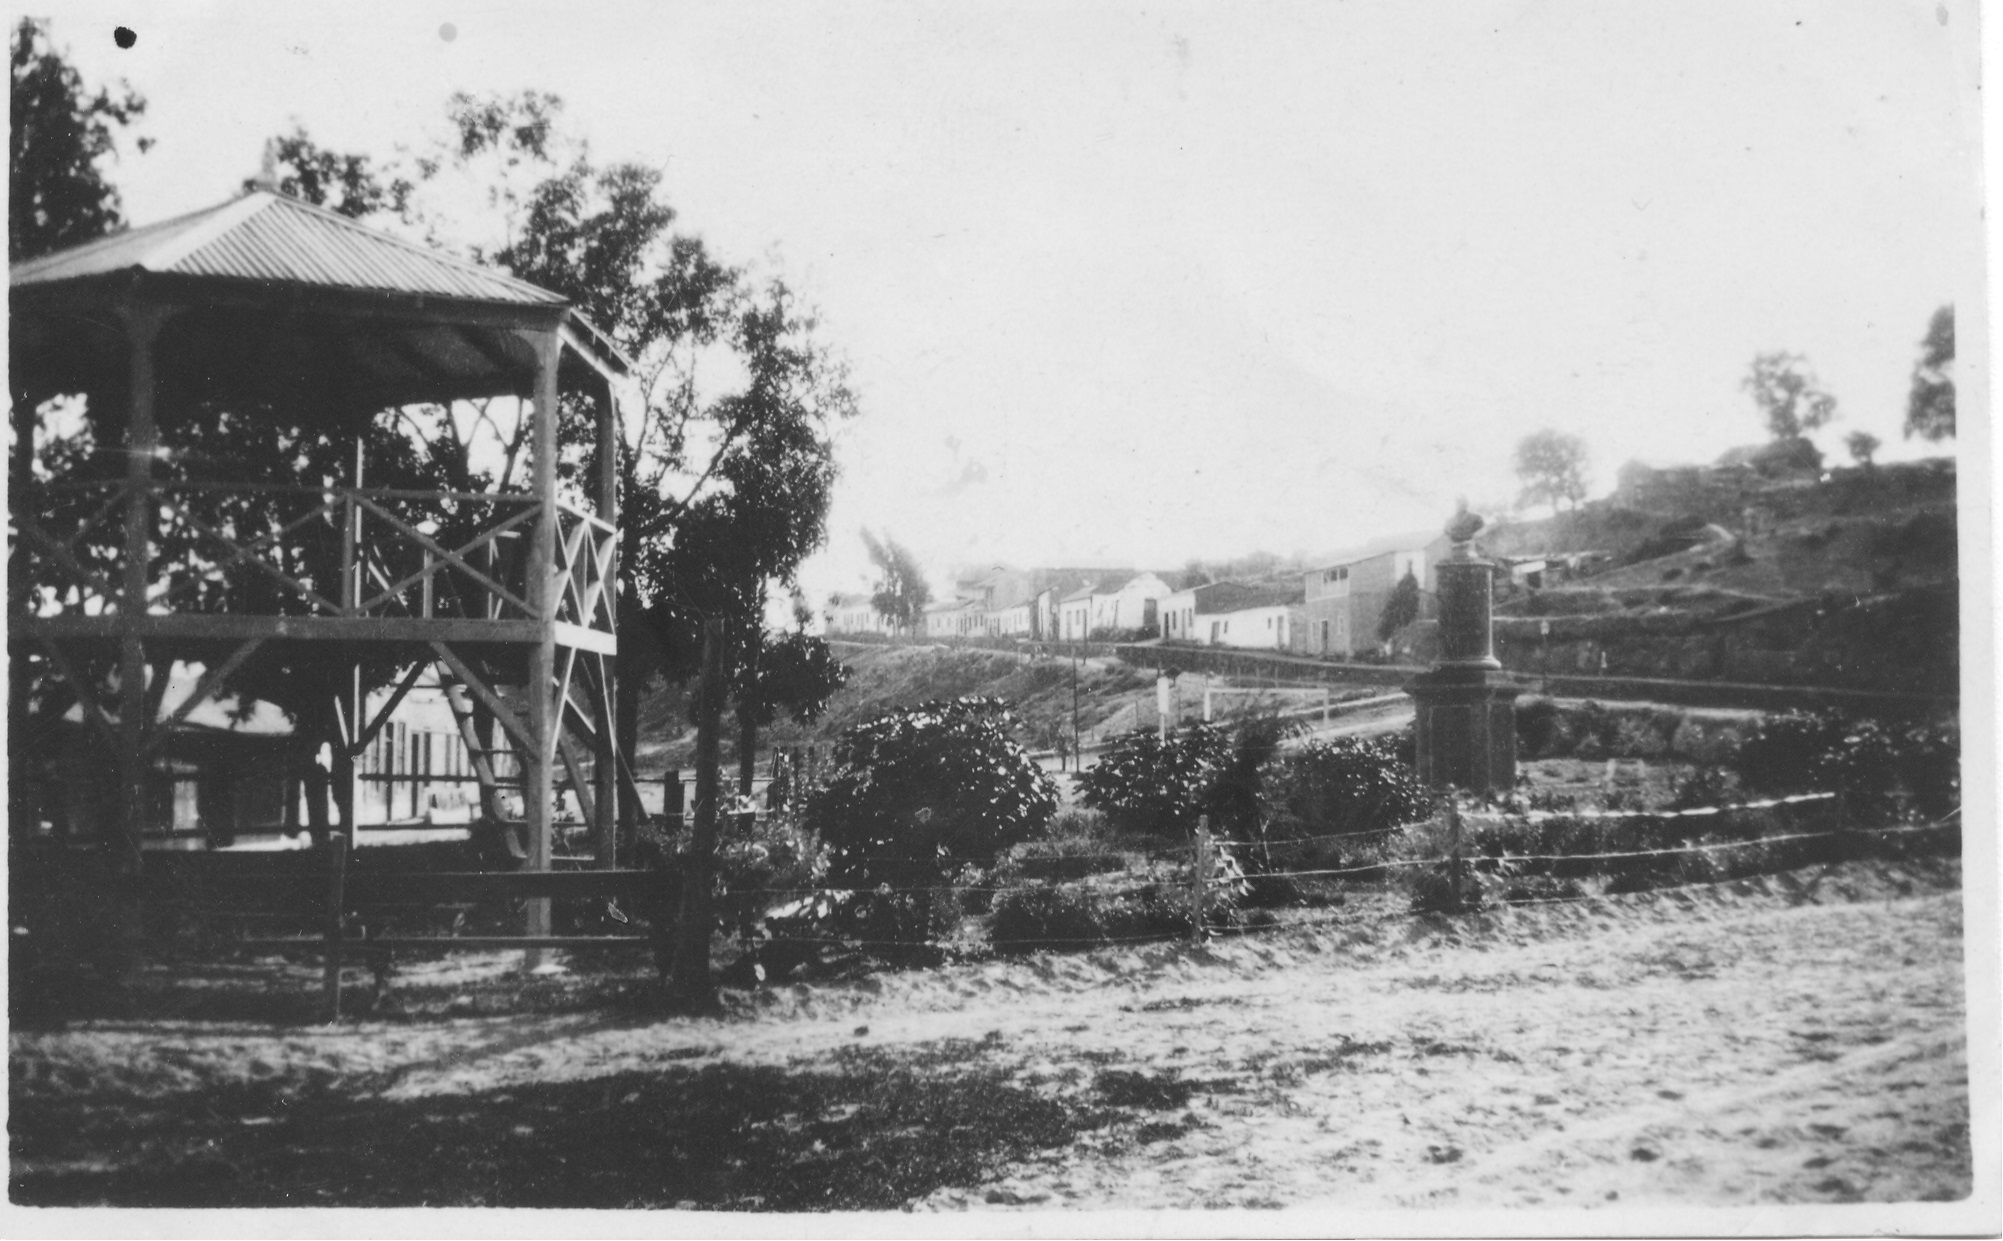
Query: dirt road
point(1784, 1040)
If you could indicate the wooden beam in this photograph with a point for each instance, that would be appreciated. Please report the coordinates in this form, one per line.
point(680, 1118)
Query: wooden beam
point(574, 764)
point(213, 679)
point(403, 688)
point(142, 325)
point(512, 723)
point(538, 786)
point(212, 627)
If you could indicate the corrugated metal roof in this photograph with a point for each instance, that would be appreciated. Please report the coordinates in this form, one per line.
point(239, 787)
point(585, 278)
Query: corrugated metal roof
point(271, 238)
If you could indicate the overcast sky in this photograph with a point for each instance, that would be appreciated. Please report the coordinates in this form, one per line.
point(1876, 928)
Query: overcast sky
point(1136, 283)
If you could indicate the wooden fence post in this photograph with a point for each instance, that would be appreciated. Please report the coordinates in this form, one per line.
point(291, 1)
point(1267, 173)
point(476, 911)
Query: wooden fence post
point(1199, 887)
point(336, 920)
point(1454, 867)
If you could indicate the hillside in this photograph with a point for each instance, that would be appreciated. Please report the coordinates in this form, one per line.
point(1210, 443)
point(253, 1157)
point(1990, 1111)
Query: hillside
point(1850, 581)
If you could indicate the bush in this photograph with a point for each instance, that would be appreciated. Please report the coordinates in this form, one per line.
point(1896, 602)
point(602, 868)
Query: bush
point(1703, 743)
point(1344, 786)
point(1036, 918)
point(1875, 767)
point(1432, 889)
point(1538, 721)
point(1152, 788)
point(1635, 737)
point(917, 794)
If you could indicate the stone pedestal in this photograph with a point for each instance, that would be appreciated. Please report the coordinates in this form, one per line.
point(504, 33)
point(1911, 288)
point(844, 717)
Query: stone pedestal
point(1466, 728)
point(1466, 704)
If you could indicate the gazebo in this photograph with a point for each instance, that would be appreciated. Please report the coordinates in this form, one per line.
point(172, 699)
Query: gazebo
point(129, 557)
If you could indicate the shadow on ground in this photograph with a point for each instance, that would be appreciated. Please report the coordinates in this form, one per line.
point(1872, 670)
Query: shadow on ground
point(871, 1131)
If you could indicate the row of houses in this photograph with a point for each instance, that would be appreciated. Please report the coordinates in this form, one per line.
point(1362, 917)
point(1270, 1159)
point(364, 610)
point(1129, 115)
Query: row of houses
point(1332, 611)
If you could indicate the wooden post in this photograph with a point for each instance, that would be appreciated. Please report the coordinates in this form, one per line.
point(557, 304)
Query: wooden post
point(613, 816)
point(1454, 867)
point(335, 922)
point(1199, 889)
point(694, 989)
point(141, 443)
point(544, 719)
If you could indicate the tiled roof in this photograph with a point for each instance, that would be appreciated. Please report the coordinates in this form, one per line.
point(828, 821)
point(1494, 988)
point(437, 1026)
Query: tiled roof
point(272, 238)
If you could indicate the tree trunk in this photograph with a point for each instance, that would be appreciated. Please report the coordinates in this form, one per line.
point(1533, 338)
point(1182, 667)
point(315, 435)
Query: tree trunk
point(694, 989)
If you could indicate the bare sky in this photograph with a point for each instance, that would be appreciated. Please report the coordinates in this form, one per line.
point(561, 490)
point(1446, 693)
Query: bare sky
point(1138, 283)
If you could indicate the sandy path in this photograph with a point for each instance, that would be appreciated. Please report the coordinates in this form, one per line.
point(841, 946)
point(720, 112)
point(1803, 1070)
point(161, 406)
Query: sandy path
point(1788, 1040)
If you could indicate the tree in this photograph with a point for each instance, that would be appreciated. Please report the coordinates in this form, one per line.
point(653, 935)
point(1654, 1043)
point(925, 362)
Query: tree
point(346, 183)
point(1930, 408)
point(1401, 608)
point(61, 135)
point(901, 593)
point(1552, 466)
point(1788, 395)
point(1862, 445)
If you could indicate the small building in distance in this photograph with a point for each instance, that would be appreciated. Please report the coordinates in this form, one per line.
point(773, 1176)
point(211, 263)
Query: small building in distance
point(954, 618)
point(1126, 602)
point(855, 614)
point(1343, 602)
point(1264, 616)
point(1074, 615)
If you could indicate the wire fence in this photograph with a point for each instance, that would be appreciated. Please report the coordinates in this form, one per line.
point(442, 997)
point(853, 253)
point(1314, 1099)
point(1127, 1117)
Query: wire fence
point(1221, 871)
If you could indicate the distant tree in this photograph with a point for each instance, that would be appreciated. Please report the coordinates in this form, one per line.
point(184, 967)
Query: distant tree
point(1862, 445)
point(1788, 395)
point(1552, 466)
point(901, 593)
point(1193, 575)
point(1930, 408)
point(346, 183)
point(1401, 608)
point(60, 135)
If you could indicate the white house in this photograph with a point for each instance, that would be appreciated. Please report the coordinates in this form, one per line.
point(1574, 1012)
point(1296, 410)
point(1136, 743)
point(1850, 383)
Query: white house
point(1127, 601)
point(1236, 614)
point(855, 614)
point(953, 618)
point(1074, 615)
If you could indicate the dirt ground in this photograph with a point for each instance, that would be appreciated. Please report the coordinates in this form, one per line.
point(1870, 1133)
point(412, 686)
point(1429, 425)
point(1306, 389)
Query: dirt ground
point(1791, 1039)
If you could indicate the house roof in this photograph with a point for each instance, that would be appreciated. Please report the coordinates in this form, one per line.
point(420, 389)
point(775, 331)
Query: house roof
point(1221, 597)
point(1410, 541)
point(270, 237)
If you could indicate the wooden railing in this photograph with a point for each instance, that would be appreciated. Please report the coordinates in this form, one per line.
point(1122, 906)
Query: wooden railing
point(277, 549)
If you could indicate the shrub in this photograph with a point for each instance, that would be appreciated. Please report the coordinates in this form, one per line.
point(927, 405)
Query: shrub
point(1875, 767)
point(1537, 723)
point(1035, 918)
point(1635, 737)
point(1344, 786)
point(916, 794)
point(1705, 743)
point(1783, 753)
point(1156, 788)
point(1433, 892)
point(1236, 797)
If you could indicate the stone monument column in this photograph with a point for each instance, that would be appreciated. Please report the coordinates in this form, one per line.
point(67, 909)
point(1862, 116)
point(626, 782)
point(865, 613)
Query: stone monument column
point(1466, 703)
